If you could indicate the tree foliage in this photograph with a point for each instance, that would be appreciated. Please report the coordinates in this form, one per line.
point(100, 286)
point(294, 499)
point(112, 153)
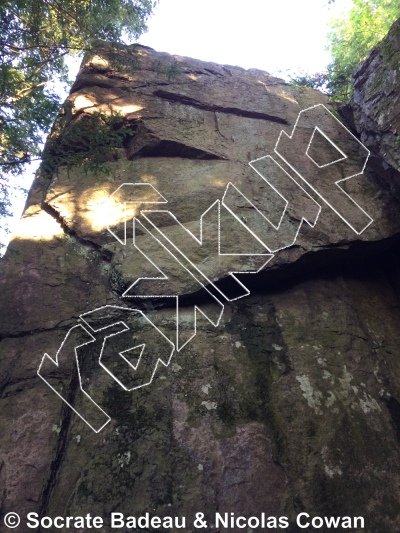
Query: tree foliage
point(35, 37)
point(352, 38)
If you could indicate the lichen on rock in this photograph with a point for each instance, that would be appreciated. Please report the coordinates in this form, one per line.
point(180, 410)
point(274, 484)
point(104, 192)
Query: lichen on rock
point(288, 400)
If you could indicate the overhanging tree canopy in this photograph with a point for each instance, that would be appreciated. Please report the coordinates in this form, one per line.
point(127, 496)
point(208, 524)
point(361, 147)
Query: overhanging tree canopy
point(352, 37)
point(35, 37)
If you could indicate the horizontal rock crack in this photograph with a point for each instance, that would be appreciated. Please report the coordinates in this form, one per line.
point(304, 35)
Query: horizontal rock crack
point(186, 100)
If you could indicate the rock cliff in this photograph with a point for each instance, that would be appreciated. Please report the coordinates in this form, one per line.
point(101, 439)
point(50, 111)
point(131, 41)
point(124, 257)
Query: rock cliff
point(269, 293)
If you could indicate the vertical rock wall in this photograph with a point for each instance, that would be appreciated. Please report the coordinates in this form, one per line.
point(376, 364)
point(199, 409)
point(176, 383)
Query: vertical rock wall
point(291, 403)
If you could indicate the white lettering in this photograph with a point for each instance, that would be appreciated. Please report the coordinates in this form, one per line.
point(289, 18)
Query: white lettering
point(346, 522)
point(131, 522)
point(180, 525)
point(221, 522)
point(79, 521)
point(117, 520)
point(253, 522)
point(46, 522)
point(156, 521)
point(32, 520)
point(143, 521)
point(283, 522)
point(61, 522)
point(332, 522)
point(317, 522)
point(241, 518)
point(328, 521)
point(167, 522)
point(97, 521)
point(298, 520)
point(356, 520)
point(58, 522)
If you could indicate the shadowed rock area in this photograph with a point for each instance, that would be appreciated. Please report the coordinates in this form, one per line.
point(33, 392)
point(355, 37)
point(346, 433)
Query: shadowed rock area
point(269, 294)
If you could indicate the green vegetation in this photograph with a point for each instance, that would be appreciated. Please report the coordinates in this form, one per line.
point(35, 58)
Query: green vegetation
point(35, 38)
point(90, 142)
point(350, 40)
point(170, 69)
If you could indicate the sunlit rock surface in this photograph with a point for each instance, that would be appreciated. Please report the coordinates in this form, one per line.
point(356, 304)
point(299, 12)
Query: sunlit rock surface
point(291, 402)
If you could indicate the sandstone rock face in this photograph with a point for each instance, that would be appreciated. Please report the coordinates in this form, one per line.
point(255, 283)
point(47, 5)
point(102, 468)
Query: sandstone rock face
point(280, 394)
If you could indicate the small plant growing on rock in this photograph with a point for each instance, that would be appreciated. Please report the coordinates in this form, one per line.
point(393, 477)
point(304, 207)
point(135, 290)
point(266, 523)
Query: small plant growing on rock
point(89, 141)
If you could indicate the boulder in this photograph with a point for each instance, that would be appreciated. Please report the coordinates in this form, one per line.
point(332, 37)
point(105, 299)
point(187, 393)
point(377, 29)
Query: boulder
point(235, 348)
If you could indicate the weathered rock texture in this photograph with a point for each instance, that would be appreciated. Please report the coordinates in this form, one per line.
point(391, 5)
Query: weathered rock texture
point(376, 102)
point(290, 404)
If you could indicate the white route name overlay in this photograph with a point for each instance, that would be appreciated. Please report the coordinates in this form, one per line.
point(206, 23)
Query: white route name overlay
point(322, 172)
